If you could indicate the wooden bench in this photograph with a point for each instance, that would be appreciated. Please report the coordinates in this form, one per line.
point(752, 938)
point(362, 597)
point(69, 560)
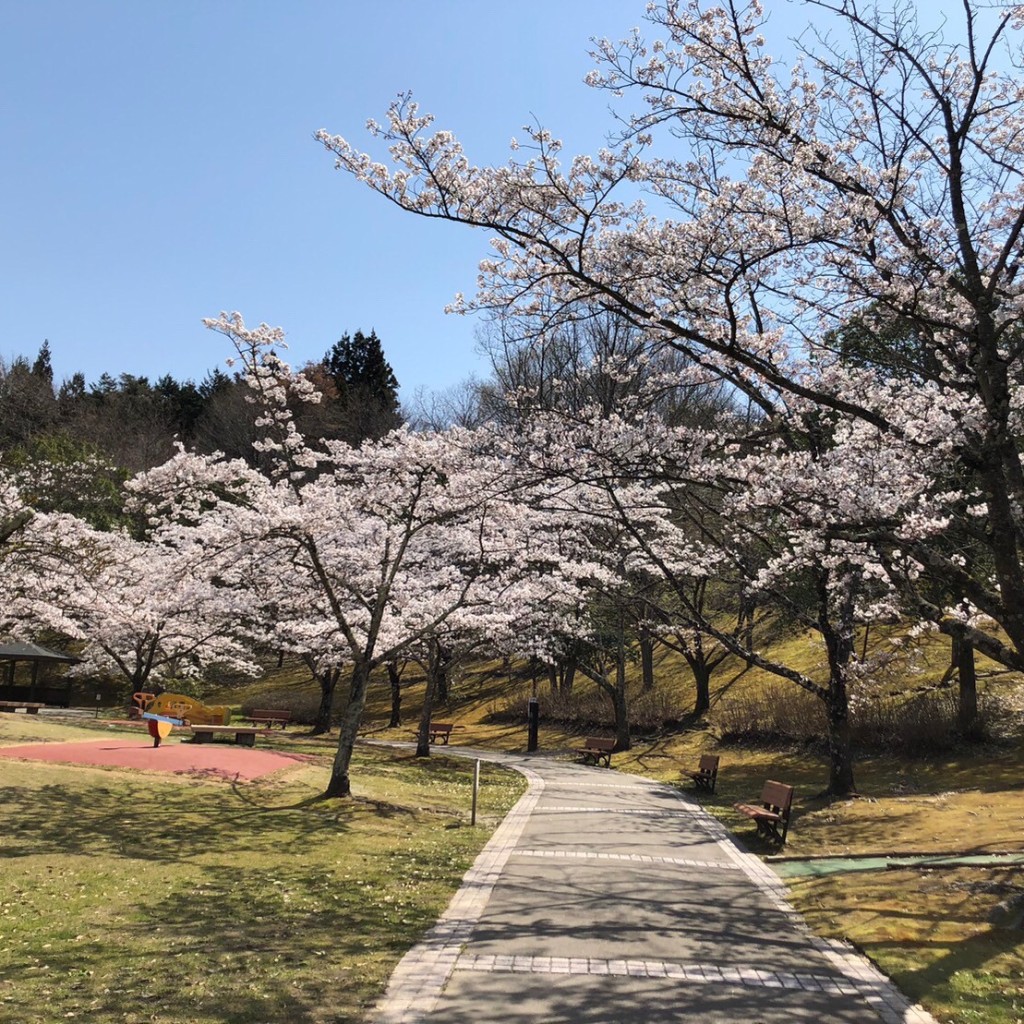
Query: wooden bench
point(270, 716)
point(596, 749)
point(244, 734)
point(771, 815)
point(440, 731)
point(706, 775)
point(30, 707)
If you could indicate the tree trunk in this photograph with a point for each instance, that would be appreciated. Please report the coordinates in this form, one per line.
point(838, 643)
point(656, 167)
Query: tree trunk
point(562, 675)
point(328, 679)
point(423, 732)
point(569, 673)
point(339, 783)
point(622, 738)
point(837, 629)
point(745, 621)
point(702, 681)
point(967, 709)
point(444, 657)
point(840, 773)
point(647, 660)
point(395, 678)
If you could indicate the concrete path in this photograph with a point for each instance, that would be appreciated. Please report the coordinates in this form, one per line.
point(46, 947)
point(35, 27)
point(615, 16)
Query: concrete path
point(606, 898)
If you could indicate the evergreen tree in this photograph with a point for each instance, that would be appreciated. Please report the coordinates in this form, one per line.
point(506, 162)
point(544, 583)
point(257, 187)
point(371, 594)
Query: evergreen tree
point(42, 367)
point(367, 389)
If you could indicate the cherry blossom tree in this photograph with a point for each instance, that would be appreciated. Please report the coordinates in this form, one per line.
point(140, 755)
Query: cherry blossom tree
point(14, 512)
point(140, 609)
point(390, 539)
point(747, 209)
point(790, 517)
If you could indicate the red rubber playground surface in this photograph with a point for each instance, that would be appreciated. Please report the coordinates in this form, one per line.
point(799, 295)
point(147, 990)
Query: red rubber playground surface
point(226, 761)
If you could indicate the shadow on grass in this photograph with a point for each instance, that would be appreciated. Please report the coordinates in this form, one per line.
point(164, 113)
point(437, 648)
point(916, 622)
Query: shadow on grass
point(972, 956)
point(938, 942)
point(261, 944)
point(140, 822)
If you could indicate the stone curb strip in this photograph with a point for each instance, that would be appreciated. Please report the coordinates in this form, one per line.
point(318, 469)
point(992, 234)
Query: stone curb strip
point(419, 979)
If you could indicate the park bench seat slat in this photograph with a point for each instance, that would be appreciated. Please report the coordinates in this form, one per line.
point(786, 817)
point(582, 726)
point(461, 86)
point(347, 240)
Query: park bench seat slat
point(595, 750)
point(440, 731)
point(771, 814)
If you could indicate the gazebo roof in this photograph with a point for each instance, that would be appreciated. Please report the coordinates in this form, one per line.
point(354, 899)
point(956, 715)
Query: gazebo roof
point(32, 652)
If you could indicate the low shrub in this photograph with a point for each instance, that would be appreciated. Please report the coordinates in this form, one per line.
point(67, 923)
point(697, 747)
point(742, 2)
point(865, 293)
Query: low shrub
point(302, 703)
point(775, 714)
point(918, 723)
point(587, 708)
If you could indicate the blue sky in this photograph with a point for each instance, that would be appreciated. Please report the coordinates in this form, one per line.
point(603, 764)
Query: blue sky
point(157, 166)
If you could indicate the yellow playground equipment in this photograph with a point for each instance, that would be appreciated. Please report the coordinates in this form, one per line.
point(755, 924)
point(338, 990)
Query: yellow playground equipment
point(169, 709)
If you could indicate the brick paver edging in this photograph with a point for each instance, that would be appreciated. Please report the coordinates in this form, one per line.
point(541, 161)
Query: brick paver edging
point(891, 1005)
point(420, 977)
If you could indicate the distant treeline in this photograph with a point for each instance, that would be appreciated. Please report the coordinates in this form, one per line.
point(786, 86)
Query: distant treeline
point(133, 423)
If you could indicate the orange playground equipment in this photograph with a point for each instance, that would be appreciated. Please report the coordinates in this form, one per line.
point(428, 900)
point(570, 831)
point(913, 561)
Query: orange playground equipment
point(177, 705)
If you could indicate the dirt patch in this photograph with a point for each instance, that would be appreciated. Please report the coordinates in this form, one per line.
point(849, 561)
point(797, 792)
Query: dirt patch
point(226, 761)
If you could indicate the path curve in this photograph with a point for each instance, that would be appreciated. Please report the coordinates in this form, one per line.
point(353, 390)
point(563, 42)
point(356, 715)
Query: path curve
point(608, 897)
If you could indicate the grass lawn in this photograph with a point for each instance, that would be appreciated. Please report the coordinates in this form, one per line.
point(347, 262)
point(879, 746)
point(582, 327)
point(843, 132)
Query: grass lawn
point(134, 897)
point(143, 897)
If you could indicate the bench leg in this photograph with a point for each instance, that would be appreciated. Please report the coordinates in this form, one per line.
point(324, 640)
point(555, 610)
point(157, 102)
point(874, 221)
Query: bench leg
point(247, 739)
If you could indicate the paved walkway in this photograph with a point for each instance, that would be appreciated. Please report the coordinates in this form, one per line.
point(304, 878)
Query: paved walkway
point(606, 898)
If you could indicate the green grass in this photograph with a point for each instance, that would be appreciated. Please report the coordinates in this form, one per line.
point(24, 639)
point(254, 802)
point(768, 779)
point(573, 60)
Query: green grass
point(951, 938)
point(139, 897)
point(947, 937)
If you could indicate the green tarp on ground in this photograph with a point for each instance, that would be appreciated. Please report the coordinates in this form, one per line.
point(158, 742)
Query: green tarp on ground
point(834, 865)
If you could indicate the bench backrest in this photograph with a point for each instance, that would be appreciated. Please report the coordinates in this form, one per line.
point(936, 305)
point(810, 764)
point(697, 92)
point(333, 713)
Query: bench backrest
point(777, 797)
point(438, 726)
point(600, 743)
point(708, 764)
point(272, 713)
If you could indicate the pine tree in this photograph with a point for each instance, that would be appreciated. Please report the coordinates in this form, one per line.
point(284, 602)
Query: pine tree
point(42, 367)
point(366, 385)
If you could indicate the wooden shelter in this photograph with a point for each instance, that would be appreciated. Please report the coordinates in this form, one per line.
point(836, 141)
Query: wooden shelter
point(58, 694)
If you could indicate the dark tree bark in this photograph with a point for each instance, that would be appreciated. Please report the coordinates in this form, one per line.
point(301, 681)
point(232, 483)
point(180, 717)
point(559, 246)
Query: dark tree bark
point(423, 732)
point(562, 674)
point(395, 678)
point(340, 784)
point(967, 705)
point(837, 629)
point(647, 660)
point(443, 657)
point(702, 670)
point(327, 679)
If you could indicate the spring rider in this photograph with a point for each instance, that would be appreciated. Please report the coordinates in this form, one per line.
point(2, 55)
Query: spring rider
point(161, 713)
